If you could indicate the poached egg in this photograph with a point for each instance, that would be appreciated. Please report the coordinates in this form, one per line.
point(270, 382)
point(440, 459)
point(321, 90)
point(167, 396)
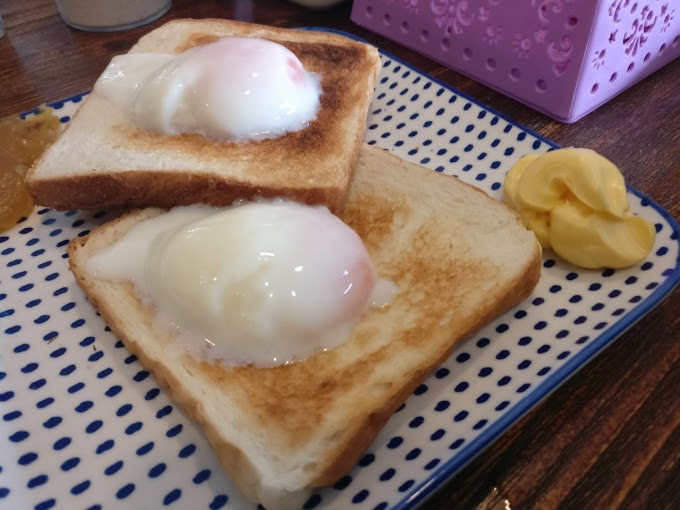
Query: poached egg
point(236, 88)
point(263, 283)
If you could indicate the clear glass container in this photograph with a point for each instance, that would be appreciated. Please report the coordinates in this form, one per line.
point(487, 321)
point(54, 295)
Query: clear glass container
point(111, 15)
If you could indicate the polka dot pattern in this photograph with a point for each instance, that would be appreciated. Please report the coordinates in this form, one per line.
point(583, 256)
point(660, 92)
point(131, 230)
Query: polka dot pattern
point(84, 425)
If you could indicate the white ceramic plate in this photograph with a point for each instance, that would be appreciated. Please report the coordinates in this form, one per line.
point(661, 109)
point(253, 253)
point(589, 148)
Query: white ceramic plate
point(84, 426)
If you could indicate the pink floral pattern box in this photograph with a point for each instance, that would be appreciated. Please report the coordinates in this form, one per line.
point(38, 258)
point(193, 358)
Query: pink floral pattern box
point(564, 58)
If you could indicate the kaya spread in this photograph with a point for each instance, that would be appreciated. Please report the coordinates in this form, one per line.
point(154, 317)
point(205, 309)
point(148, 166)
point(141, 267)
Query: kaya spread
point(22, 142)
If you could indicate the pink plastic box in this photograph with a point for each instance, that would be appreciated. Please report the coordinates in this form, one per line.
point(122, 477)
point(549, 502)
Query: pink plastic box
point(562, 57)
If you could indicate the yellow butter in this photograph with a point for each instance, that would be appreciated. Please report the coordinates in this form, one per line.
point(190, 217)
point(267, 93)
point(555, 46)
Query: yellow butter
point(575, 201)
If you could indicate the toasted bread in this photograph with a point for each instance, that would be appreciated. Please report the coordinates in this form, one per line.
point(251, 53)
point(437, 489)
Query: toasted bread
point(103, 161)
point(459, 258)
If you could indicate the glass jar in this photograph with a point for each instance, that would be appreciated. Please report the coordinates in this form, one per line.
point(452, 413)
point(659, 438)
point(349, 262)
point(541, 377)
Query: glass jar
point(111, 15)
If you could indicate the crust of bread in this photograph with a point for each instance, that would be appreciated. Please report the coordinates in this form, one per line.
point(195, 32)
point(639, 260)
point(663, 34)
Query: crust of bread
point(313, 165)
point(441, 241)
point(127, 189)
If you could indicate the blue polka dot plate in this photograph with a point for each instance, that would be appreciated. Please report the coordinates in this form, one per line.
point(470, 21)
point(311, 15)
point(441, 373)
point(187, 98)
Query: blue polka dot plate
point(84, 426)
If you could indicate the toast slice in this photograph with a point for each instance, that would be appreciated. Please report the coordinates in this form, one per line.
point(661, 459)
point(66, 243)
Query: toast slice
point(103, 161)
point(459, 258)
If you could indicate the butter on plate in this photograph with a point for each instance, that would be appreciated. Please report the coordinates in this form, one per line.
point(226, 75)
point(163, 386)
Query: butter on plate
point(575, 201)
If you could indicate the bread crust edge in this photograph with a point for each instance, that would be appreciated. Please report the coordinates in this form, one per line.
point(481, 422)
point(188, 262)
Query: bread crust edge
point(166, 189)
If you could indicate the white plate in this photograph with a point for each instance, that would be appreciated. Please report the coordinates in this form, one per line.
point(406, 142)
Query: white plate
point(83, 425)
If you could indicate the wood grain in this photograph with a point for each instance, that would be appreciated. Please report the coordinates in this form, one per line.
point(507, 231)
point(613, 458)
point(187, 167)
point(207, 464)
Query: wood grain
point(608, 438)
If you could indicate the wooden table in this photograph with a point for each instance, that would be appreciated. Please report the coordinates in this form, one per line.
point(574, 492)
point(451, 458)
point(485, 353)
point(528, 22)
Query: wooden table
point(609, 437)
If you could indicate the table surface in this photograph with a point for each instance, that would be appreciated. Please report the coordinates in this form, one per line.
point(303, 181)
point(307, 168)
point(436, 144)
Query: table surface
point(607, 438)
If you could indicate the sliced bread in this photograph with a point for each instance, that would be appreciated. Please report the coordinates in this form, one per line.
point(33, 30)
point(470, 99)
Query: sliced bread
point(102, 160)
point(459, 258)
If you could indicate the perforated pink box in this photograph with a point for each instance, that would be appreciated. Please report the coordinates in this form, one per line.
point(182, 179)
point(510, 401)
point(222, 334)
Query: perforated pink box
point(562, 57)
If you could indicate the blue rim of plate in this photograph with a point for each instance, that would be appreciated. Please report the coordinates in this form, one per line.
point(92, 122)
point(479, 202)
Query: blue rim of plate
point(448, 469)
